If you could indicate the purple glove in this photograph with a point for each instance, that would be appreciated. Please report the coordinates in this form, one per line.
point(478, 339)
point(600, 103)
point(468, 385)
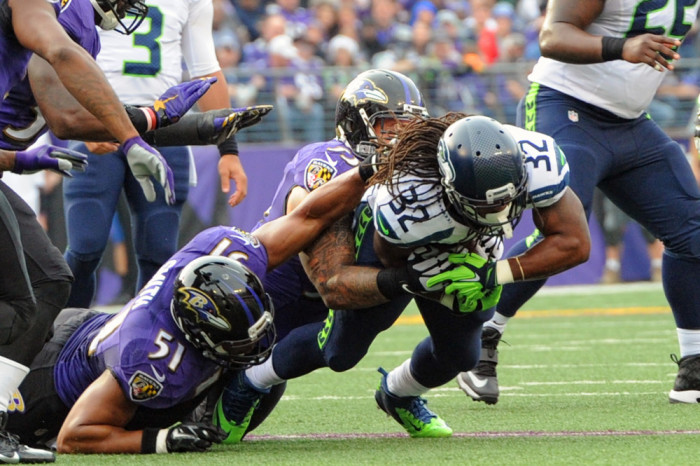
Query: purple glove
point(145, 162)
point(177, 100)
point(48, 157)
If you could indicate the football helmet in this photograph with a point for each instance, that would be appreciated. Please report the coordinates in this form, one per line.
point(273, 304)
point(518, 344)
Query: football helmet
point(374, 95)
point(484, 175)
point(111, 14)
point(221, 307)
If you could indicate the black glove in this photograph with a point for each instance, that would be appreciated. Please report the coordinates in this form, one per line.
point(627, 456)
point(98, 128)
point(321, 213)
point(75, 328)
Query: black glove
point(216, 126)
point(193, 437)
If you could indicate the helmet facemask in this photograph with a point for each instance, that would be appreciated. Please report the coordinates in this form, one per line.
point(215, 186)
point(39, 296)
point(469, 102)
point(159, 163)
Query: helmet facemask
point(113, 12)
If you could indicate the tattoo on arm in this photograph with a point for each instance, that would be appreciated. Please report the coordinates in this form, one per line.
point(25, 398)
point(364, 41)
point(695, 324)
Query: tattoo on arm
point(330, 264)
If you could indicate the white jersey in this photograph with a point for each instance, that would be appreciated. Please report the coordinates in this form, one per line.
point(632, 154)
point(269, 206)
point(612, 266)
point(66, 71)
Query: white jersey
point(143, 65)
point(420, 215)
point(620, 87)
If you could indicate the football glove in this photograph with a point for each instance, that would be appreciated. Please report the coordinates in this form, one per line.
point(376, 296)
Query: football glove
point(193, 437)
point(48, 157)
point(216, 126)
point(472, 282)
point(144, 162)
point(177, 100)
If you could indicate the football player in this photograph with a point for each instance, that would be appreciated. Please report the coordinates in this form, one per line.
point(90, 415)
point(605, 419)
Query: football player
point(141, 69)
point(27, 27)
point(368, 111)
point(120, 380)
point(456, 184)
point(602, 63)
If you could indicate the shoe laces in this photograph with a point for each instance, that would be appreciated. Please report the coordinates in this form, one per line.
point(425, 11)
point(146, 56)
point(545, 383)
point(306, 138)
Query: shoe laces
point(238, 400)
point(485, 369)
point(418, 408)
point(9, 439)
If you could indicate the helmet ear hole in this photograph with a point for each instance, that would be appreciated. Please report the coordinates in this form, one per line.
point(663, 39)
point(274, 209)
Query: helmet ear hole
point(221, 307)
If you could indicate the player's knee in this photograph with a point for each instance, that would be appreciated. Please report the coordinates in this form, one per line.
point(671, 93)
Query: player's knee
point(16, 318)
point(342, 361)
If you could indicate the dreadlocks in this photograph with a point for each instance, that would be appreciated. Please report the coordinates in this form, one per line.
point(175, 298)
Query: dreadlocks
point(415, 150)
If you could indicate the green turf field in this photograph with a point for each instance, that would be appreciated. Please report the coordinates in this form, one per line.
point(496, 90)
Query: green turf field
point(584, 380)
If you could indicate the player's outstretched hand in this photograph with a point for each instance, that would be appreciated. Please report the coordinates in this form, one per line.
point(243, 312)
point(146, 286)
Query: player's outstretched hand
point(193, 437)
point(144, 162)
point(177, 100)
point(48, 157)
point(216, 126)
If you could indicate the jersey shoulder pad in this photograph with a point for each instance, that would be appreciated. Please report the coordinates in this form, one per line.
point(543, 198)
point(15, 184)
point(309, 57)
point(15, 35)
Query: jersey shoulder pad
point(545, 162)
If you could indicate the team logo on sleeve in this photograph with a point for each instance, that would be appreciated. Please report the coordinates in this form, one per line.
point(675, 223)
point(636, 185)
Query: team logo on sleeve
point(143, 387)
point(204, 309)
point(318, 172)
point(16, 404)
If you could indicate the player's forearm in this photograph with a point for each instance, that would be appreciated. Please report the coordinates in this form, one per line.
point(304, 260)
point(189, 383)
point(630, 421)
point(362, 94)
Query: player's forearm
point(98, 439)
point(330, 264)
point(566, 242)
point(287, 235)
point(567, 43)
point(85, 81)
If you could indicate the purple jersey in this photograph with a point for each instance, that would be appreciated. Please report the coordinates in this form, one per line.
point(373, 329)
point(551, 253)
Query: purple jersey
point(290, 288)
point(19, 118)
point(141, 346)
point(312, 166)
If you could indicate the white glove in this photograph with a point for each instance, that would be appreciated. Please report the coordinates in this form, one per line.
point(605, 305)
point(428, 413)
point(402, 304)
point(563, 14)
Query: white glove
point(145, 162)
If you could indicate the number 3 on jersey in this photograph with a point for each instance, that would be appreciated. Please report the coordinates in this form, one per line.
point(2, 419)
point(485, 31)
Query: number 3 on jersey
point(148, 36)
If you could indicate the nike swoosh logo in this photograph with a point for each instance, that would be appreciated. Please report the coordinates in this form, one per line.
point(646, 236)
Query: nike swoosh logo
point(384, 229)
point(159, 377)
point(478, 382)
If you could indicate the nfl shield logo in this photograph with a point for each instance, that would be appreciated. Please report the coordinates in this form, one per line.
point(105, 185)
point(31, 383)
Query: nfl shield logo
point(573, 116)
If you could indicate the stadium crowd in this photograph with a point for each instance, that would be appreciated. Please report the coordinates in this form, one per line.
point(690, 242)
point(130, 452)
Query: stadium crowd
point(466, 55)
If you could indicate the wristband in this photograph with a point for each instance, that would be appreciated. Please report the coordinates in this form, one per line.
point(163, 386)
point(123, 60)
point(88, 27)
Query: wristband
point(143, 118)
point(612, 48)
point(149, 439)
point(390, 281)
point(504, 274)
point(162, 441)
point(228, 146)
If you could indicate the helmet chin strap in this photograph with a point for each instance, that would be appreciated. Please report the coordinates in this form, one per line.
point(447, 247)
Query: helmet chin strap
point(499, 218)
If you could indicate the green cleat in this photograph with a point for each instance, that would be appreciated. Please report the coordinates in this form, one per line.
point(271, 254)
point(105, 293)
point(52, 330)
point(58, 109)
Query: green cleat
point(411, 412)
point(235, 408)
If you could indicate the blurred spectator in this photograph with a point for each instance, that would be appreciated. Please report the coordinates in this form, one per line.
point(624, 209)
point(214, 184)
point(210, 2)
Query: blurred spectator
point(250, 13)
point(325, 14)
point(298, 17)
point(348, 22)
point(483, 27)
point(297, 95)
point(342, 52)
point(423, 11)
point(381, 30)
point(256, 53)
point(449, 23)
point(417, 55)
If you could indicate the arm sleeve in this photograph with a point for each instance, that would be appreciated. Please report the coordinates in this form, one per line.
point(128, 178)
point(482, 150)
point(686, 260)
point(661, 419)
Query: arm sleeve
point(197, 40)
